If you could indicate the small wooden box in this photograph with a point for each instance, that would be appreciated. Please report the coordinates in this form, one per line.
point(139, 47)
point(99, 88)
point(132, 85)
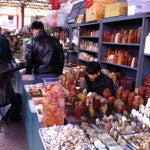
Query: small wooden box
point(116, 9)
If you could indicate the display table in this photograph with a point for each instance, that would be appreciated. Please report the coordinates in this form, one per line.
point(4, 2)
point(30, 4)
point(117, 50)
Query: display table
point(32, 123)
point(30, 118)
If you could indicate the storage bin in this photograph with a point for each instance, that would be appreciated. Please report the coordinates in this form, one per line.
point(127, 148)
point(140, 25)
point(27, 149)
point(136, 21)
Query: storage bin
point(134, 7)
point(145, 6)
point(48, 81)
point(116, 9)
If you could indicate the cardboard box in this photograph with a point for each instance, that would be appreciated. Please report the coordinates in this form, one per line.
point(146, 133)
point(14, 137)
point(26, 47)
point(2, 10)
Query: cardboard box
point(95, 12)
point(104, 1)
point(116, 9)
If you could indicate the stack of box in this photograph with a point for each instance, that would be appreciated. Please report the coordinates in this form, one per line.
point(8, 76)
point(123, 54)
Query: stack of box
point(96, 11)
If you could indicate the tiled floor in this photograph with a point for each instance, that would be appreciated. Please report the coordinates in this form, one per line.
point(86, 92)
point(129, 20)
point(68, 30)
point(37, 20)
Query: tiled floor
point(12, 136)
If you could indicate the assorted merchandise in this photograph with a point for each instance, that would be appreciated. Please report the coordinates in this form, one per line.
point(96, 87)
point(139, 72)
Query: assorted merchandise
point(139, 140)
point(95, 9)
point(90, 33)
point(53, 106)
point(74, 119)
point(65, 137)
point(116, 9)
point(86, 57)
point(120, 57)
point(124, 36)
point(75, 39)
point(97, 121)
point(89, 45)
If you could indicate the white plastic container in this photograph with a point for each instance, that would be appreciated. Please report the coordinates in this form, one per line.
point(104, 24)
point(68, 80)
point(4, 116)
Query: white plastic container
point(147, 45)
point(134, 7)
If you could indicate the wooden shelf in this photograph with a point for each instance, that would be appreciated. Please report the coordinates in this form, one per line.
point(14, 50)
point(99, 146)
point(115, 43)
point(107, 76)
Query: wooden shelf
point(90, 24)
point(123, 44)
point(83, 60)
point(72, 51)
point(89, 37)
point(146, 54)
point(88, 51)
point(127, 67)
point(124, 18)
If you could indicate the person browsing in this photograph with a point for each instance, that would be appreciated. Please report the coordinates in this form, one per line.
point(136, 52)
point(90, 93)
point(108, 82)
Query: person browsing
point(96, 81)
point(45, 57)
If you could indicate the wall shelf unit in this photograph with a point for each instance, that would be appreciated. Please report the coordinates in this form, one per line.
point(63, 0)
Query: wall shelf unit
point(130, 27)
point(123, 44)
point(123, 66)
point(145, 69)
point(89, 37)
point(89, 42)
point(134, 29)
point(88, 51)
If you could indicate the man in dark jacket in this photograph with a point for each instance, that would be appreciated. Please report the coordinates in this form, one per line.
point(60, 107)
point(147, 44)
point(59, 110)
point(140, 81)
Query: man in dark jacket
point(7, 93)
point(45, 57)
point(96, 81)
point(5, 51)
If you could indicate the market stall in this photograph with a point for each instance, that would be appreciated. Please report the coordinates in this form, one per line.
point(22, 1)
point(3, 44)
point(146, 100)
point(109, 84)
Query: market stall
point(104, 122)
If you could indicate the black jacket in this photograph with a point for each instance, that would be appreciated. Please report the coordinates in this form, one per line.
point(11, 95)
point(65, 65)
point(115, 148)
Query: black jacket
point(100, 84)
point(44, 55)
point(5, 52)
point(6, 89)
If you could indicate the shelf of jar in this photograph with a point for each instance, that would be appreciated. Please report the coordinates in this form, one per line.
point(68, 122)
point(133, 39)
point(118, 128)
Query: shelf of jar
point(123, 66)
point(72, 51)
point(88, 51)
point(83, 60)
point(123, 44)
point(89, 37)
point(146, 54)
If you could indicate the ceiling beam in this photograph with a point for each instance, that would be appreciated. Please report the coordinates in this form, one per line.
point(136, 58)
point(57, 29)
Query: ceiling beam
point(28, 3)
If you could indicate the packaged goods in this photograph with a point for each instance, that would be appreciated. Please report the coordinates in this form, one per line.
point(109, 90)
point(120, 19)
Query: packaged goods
point(80, 18)
point(53, 106)
point(139, 140)
point(65, 138)
point(116, 9)
point(95, 9)
point(95, 12)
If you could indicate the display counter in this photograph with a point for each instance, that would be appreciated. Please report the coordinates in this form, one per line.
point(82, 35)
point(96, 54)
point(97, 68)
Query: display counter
point(112, 128)
point(30, 118)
